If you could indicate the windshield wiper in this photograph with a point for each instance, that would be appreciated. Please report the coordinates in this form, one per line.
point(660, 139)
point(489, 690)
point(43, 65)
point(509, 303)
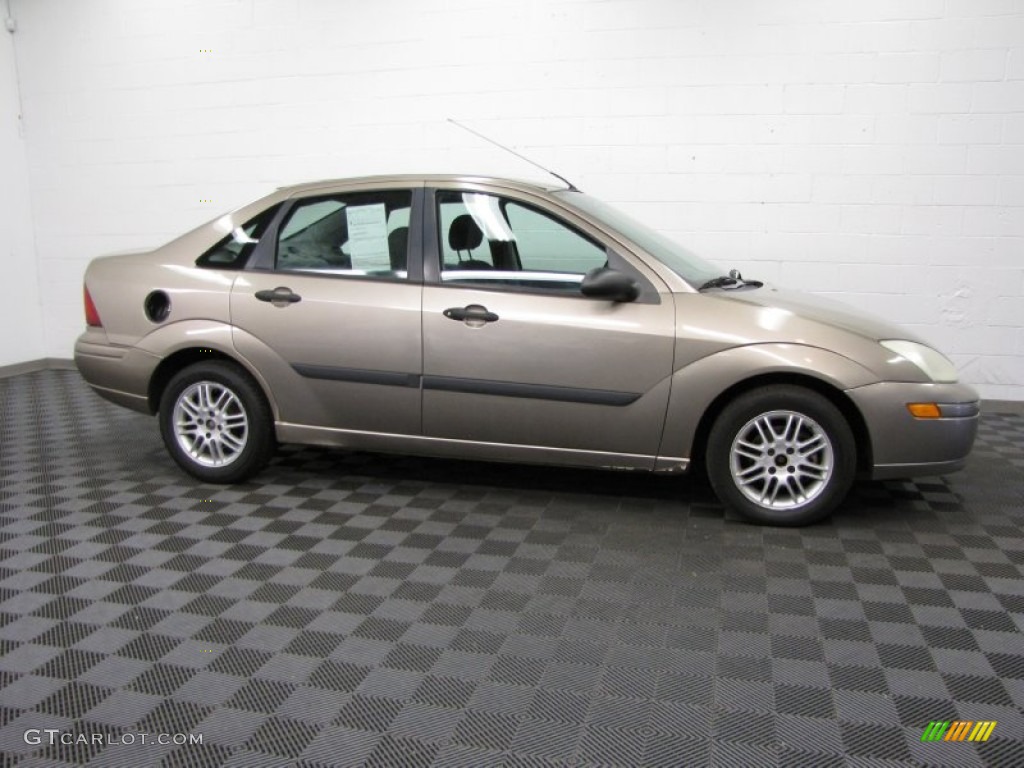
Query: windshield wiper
point(719, 282)
point(733, 280)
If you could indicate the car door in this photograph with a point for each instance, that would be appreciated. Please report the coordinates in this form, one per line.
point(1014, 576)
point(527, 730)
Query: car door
point(335, 295)
point(515, 355)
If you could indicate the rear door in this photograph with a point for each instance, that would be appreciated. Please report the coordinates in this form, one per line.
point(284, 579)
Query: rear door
point(336, 294)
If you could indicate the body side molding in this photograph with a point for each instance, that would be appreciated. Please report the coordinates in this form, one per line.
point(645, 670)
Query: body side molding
point(468, 386)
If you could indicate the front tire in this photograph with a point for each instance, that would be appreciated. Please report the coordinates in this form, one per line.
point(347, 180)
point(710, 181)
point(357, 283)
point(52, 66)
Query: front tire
point(781, 455)
point(215, 422)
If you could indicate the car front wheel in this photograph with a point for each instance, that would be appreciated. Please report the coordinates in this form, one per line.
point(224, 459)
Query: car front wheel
point(216, 423)
point(781, 455)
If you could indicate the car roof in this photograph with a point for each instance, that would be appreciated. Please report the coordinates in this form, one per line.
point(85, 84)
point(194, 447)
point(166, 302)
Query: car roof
point(428, 179)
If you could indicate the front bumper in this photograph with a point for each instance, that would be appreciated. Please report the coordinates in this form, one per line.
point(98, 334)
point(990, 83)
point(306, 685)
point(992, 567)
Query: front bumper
point(118, 374)
point(905, 446)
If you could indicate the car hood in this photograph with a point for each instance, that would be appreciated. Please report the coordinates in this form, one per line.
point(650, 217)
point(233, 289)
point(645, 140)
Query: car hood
point(717, 320)
point(782, 307)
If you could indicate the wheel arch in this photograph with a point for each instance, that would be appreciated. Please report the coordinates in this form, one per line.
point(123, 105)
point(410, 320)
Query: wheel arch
point(182, 358)
point(178, 345)
point(703, 388)
point(837, 397)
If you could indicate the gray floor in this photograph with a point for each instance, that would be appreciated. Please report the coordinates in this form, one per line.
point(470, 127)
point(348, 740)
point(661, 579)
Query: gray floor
point(351, 609)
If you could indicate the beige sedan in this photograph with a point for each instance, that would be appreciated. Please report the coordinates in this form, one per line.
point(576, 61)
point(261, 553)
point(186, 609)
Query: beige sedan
point(491, 319)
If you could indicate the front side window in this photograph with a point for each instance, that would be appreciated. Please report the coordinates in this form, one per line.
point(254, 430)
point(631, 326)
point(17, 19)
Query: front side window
point(358, 234)
point(498, 242)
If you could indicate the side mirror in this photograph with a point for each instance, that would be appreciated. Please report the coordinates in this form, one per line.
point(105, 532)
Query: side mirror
point(610, 284)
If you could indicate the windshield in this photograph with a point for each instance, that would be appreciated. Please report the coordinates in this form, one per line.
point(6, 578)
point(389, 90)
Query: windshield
point(689, 266)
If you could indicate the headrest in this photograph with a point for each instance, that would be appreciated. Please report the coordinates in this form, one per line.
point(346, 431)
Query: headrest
point(398, 240)
point(398, 247)
point(464, 234)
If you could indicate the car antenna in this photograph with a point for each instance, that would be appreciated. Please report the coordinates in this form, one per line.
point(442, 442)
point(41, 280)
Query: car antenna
point(572, 187)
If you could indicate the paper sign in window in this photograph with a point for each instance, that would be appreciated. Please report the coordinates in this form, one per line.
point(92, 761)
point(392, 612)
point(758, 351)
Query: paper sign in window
point(368, 236)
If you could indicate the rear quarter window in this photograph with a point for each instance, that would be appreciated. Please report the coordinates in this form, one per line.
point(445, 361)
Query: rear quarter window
point(233, 251)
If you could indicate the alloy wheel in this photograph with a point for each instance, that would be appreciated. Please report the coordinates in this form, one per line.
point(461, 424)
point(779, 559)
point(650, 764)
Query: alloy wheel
point(781, 460)
point(210, 424)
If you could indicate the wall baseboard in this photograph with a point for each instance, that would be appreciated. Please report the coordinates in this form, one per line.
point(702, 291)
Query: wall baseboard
point(42, 364)
point(1002, 406)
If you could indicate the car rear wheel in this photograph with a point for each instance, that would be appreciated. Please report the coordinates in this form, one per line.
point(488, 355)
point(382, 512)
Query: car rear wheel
point(216, 423)
point(781, 455)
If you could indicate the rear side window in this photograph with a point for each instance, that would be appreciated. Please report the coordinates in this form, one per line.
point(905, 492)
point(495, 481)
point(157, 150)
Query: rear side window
point(234, 250)
point(358, 234)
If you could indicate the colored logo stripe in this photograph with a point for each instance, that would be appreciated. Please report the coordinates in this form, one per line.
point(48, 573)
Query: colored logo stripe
point(982, 730)
point(958, 730)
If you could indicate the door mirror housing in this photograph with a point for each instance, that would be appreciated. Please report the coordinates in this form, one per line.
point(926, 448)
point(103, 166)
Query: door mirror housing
point(610, 284)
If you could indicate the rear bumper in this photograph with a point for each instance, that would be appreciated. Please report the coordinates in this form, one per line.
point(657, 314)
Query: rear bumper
point(905, 446)
point(118, 374)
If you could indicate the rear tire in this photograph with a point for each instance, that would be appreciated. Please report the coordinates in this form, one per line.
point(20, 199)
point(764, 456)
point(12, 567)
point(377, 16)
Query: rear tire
point(781, 455)
point(216, 423)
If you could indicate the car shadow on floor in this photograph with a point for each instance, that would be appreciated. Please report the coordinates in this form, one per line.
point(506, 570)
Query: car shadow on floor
point(870, 502)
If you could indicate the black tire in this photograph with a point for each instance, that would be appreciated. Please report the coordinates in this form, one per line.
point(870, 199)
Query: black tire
point(779, 470)
point(243, 450)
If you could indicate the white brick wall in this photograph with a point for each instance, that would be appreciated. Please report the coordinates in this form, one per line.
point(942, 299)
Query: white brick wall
point(872, 150)
point(22, 336)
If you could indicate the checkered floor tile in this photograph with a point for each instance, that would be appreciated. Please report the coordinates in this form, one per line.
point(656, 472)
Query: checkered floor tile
point(348, 609)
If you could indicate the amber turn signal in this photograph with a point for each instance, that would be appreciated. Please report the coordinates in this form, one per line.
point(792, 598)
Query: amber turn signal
point(924, 410)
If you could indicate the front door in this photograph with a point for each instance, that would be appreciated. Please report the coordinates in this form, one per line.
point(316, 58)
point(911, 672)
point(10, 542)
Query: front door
point(335, 301)
point(514, 354)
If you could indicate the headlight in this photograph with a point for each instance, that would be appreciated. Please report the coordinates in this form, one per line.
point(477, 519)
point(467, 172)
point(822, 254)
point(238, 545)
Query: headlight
point(935, 365)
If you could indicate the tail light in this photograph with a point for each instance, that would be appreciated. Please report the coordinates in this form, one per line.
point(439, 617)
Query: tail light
point(92, 317)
